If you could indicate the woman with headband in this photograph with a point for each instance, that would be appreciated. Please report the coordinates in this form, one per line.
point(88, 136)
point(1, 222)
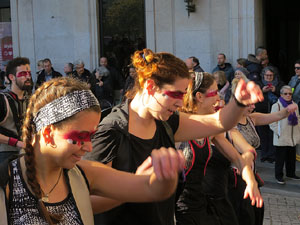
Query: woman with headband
point(149, 119)
point(50, 184)
point(194, 206)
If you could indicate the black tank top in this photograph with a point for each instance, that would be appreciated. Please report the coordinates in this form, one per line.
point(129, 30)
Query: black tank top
point(197, 156)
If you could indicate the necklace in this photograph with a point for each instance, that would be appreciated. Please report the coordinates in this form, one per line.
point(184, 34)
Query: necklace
point(45, 197)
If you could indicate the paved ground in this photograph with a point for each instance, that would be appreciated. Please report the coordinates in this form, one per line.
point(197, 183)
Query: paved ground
point(282, 202)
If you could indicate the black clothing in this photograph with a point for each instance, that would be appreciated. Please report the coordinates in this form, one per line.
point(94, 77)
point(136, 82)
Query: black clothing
point(117, 80)
point(195, 206)
point(254, 67)
point(285, 155)
point(264, 132)
point(198, 68)
point(129, 83)
point(196, 155)
point(42, 77)
point(87, 77)
point(113, 142)
point(228, 70)
point(104, 92)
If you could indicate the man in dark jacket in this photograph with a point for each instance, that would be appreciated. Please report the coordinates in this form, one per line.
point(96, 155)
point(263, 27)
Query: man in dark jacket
point(47, 73)
point(193, 64)
point(224, 66)
point(253, 63)
point(84, 75)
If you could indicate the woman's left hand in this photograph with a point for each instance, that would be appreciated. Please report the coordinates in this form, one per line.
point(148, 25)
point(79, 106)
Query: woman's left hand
point(253, 193)
point(248, 93)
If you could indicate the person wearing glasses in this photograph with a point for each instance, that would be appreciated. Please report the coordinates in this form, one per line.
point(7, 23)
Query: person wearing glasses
point(270, 86)
point(13, 105)
point(286, 136)
point(294, 83)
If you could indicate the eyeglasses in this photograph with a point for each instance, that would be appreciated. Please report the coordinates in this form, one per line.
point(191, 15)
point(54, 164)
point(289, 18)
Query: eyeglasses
point(174, 94)
point(23, 74)
point(287, 93)
point(297, 68)
point(212, 93)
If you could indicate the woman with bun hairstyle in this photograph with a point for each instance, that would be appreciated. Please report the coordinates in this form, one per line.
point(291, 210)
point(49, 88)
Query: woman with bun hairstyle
point(50, 184)
point(149, 119)
point(194, 206)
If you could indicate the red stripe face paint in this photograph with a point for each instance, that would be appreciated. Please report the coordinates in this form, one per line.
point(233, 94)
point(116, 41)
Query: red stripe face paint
point(174, 94)
point(79, 137)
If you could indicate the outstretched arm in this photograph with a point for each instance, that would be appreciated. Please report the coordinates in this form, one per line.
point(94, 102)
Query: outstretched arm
point(105, 181)
point(260, 119)
point(193, 126)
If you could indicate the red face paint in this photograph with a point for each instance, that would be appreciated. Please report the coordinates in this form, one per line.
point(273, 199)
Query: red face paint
point(76, 137)
point(174, 94)
point(24, 74)
point(212, 93)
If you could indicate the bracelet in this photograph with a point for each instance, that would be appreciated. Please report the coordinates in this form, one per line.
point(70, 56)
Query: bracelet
point(238, 103)
point(12, 141)
point(253, 152)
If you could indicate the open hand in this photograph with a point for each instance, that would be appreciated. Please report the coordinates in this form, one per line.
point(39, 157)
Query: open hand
point(253, 193)
point(248, 93)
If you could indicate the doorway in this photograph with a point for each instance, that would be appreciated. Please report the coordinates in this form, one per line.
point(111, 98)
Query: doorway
point(282, 19)
point(122, 31)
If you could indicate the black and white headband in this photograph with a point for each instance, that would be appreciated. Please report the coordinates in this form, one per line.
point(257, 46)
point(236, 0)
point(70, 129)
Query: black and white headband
point(64, 107)
point(198, 81)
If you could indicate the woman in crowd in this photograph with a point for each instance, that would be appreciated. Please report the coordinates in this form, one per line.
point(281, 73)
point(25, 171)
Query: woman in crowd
point(270, 86)
point(50, 184)
point(286, 136)
point(246, 126)
point(103, 89)
point(193, 205)
point(223, 85)
point(148, 119)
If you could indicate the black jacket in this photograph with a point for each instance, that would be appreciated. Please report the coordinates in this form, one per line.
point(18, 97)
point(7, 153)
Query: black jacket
point(42, 77)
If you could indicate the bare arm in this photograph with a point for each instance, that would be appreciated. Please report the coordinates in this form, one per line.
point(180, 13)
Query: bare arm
point(4, 140)
point(199, 126)
point(246, 172)
point(105, 181)
point(260, 119)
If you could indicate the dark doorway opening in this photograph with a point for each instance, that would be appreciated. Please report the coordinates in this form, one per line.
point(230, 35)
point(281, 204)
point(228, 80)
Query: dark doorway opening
point(283, 35)
point(122, 31)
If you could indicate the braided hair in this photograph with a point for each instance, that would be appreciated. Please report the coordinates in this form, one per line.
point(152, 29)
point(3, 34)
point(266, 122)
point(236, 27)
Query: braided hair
point(45, 94)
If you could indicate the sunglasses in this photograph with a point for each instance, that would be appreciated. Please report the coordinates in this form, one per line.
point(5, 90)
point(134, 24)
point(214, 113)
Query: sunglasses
point(23, 74)
point(287, 93)
point(212, 93)
point(297, 68)
point(174, 94)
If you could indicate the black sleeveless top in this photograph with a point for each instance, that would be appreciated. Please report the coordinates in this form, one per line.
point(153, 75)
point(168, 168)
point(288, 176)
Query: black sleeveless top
point(197, 156)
